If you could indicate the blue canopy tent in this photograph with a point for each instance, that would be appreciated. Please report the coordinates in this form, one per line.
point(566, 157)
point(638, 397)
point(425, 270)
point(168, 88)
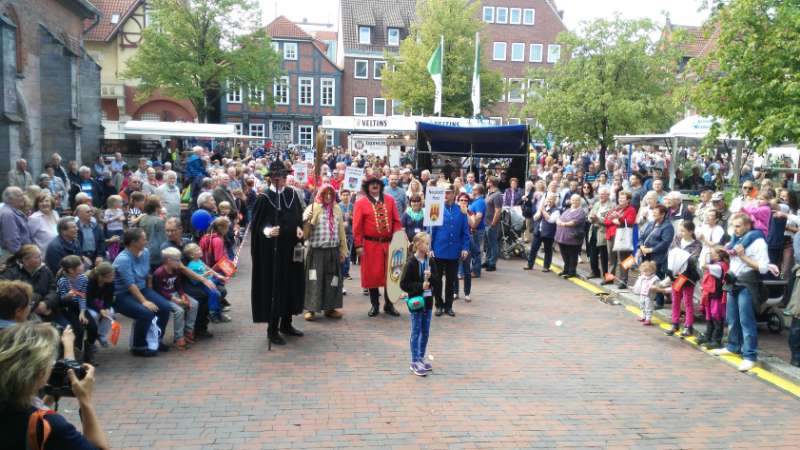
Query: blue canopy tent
point(510, 141)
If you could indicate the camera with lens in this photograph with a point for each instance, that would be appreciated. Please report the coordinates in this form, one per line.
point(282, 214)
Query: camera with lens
point(58, 384)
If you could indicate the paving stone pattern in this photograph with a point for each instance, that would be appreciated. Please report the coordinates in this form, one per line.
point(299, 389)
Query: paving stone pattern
point(506, 376)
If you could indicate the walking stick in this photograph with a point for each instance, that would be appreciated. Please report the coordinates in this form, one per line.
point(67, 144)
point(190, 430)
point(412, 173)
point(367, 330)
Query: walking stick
point(274, 272)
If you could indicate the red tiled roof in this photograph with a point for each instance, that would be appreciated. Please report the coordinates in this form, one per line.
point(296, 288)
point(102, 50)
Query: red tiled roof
point(105, 30)
point(695, 41)
point(282, 27)
point(326, 35)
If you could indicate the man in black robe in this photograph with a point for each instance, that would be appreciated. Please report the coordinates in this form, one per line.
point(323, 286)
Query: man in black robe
point(277, 277)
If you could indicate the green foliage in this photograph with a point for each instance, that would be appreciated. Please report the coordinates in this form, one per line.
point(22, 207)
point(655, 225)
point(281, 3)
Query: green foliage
point(752, 78)
point(192, 50)
point(613, 78)
point(410, 82)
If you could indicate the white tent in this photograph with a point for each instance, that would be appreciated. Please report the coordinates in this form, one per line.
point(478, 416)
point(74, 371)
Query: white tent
point(182, 129)
point(696, 127)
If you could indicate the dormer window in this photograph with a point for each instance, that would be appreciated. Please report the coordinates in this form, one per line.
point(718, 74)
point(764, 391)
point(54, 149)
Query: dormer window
point(364, 35)
point(115, 18)
point(393, 37)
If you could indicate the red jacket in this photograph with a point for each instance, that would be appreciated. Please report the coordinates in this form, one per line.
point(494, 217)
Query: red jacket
point(626, 217)
point(365, 222)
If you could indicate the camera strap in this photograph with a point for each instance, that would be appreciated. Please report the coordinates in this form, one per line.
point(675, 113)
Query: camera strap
point(35, 418)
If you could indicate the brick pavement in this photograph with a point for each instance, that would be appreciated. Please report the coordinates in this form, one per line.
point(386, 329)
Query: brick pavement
point(505, 377)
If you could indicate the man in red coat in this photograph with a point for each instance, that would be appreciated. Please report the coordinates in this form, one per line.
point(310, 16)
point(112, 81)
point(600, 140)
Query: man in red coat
point(375, 220)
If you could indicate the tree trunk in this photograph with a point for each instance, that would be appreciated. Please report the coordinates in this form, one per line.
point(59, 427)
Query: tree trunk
point(603, 148)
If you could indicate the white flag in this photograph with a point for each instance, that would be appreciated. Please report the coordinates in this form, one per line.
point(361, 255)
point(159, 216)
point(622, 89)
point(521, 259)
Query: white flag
point(435, 66)
point(476, 78)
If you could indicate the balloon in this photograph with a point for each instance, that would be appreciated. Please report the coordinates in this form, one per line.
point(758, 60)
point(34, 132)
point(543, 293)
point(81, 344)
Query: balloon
point(201, 219)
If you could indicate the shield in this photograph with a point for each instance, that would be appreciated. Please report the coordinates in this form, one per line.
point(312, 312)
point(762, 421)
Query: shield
point(398, 252)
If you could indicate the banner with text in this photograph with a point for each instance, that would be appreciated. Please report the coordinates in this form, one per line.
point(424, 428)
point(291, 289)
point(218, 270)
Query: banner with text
point(434, 207)
point(352, 178)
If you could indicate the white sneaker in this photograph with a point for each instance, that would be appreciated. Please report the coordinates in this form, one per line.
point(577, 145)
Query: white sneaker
point(344, 291)
point(746, 365)
point(467, 299)
point(721, 351)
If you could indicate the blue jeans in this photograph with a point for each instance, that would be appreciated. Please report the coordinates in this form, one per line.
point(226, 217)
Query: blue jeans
point(475, 251)
point(742, 330)
point(129, 306)
point(536, 243)
point(420, 330)
point(492, 245)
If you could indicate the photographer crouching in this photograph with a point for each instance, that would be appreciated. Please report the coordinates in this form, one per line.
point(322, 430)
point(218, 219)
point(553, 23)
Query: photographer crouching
point(27, 354)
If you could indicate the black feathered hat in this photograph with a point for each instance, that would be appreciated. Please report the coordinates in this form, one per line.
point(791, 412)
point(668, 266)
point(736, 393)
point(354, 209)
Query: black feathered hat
point(370, 180)
point(278, 169)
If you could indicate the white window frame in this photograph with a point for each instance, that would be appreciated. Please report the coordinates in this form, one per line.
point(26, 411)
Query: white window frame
point(375, 65)
point(257, 93)
point(513, 121)
point(369, 35)
point(276, 46)
point(489, 9)
point(366, 69)
point(497, 15)
point(504, 83)
point(150, 117)
point(521, 47)
point(522, 87)
point(392, 42)
point(306, 128)
point(310, 84)
point(327, 83)
point(285, 98)
point(252, 132)
point(366, 106)
point(234, 95)
point(375, 110)
point(237, 127)
point(496, 120)
point(397, 105)
point(494, 51)
point(289, 47)
point(541, 53)
point(550, 49)
point(329, 138)
point(511, 16)
point(533, 16)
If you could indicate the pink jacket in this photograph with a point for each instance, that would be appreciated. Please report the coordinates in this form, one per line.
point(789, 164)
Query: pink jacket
point(760, 215)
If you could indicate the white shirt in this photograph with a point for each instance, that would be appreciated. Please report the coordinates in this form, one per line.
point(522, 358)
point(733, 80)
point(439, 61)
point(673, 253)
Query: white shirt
point(757, 251)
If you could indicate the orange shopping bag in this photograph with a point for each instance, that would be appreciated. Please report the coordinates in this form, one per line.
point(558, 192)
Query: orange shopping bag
point(116, 328)
point(679, 282)
point(225, 267)
point(628, 262)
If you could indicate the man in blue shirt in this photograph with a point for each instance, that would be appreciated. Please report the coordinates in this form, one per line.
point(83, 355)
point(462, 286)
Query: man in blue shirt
point(450, 241)
point(477, 224)
point(134, 298)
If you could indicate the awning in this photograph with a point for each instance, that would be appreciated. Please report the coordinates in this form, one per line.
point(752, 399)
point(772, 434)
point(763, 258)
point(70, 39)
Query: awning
point(181, 129)
point(390, 124)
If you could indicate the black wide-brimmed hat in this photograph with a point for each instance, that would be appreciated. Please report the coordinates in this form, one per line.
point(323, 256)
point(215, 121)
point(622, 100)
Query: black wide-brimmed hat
point(278, 169)
point(370, 180)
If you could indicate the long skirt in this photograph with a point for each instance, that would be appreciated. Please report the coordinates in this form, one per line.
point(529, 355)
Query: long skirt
point(323, 279)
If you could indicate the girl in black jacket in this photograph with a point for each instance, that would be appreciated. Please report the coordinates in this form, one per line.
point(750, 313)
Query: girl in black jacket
point(416, 281)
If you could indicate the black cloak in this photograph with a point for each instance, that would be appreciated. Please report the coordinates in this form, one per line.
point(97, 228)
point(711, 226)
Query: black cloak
point(290, 275)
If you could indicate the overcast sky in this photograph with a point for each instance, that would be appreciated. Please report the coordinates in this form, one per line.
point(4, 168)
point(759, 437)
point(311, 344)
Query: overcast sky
point(683, 12)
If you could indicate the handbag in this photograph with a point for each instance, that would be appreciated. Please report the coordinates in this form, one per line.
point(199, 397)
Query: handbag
point(623, 240)
point(226, 267)
point(415, 303)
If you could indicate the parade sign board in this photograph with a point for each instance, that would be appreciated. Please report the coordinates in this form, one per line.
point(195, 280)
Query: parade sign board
point(398, 251)
point(434, 207)
point(300, 172)
point(352, 178)
point(309, 156)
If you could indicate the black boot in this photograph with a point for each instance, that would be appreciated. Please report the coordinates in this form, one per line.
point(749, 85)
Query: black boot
point(388, 308)
point(374, 298)
point(673, 330)
point(288, 329)
point(272, 333)
point(704, 338)
point(716, 338)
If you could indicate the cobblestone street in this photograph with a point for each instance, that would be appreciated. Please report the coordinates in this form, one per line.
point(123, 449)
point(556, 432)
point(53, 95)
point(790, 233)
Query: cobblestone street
point(505, 376)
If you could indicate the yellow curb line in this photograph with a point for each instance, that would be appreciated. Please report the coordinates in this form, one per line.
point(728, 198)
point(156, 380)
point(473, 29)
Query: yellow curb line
point(733, 360)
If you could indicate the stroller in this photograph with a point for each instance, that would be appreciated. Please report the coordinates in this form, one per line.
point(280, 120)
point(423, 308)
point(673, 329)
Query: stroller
point(512, 226)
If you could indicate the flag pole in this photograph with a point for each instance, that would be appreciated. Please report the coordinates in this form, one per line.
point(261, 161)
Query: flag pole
point(441, 64)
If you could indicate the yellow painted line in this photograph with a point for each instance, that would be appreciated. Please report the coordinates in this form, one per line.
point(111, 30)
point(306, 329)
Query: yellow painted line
point(733, 360)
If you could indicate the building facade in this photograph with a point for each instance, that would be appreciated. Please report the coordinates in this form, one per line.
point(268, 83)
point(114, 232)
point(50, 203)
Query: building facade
point(112, 43)
point(519, 35)
point(310, 88)
point(367, 29)
point(49, 85)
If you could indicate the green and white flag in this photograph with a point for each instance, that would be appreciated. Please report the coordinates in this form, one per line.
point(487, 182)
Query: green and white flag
point(435, 66)
point(476, 78)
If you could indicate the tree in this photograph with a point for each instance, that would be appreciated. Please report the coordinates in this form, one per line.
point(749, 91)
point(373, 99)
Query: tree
point(195, 50)
point(752, 78)
point(410, 83)
point(613, 79)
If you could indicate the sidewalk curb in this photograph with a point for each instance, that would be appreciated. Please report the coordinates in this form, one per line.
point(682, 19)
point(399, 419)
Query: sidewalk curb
point(771, 366)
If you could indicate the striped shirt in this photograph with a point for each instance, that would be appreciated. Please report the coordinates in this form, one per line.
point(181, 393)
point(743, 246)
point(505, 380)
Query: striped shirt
point(79, 285)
